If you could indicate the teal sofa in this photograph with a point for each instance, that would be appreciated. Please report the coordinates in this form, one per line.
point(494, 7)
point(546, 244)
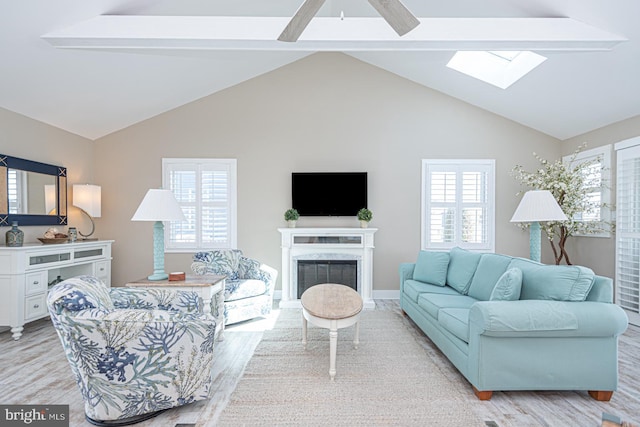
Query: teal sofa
point(513, 324)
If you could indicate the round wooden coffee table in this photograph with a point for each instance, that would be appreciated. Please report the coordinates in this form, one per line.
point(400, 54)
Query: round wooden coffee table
point(331, 306)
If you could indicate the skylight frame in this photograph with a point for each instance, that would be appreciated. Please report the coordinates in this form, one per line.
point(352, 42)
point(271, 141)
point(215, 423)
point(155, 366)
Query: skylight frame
point(498, 68)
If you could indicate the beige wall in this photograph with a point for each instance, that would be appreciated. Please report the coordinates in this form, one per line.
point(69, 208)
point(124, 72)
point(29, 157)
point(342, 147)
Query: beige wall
point(596, 252)
point(327, 112)
point(29, 139)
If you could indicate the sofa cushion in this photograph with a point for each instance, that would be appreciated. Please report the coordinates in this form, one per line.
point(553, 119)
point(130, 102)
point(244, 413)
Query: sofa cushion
point(412, 289)
point(554, 282)
point(490, 269)
point(508, 287)
point(456, 321)
point(240, 289)
point(431, 267)
point(433, 303)
point(462, 265)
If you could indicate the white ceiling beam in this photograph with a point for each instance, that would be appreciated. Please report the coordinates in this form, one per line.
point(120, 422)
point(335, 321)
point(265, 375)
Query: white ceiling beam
point(332, 34)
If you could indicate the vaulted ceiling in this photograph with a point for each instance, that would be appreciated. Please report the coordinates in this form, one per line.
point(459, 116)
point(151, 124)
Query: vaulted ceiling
point(97, 91)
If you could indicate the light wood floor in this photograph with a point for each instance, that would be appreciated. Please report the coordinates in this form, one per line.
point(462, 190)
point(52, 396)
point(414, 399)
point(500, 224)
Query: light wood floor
point(33, 370)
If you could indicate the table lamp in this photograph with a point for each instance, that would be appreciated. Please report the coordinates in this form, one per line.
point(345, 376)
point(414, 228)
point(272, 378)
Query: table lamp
point(537, 206)
point(158, 205)
point(87, 198)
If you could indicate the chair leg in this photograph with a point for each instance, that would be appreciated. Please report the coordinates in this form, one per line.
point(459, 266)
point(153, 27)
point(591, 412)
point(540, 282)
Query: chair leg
point(601, 395)
point(483, 395)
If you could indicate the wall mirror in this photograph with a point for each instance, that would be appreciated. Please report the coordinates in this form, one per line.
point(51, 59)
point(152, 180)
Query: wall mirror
point(32, 193)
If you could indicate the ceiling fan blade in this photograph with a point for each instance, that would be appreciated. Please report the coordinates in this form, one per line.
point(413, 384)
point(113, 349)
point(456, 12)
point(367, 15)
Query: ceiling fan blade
point(396, 15)
point(300, 20)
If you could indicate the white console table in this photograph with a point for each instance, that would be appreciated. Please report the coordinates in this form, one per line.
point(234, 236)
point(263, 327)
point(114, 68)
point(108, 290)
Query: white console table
point(26, 271)
point(326, 243)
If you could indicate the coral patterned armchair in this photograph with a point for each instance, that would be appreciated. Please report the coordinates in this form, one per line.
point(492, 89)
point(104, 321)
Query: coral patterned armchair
point(133, 352)
point(249, 285)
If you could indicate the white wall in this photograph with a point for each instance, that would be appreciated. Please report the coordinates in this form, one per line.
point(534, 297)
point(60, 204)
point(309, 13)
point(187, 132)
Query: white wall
point(30, 139)
point(327, 112)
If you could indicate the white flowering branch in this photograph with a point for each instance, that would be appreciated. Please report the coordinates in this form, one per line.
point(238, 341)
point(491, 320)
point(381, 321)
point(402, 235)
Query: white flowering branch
point(569, 183)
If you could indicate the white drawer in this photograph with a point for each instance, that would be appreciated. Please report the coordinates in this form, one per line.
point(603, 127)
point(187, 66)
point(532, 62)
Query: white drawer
point(35, 306)
point(35, 283)
point(102, 270)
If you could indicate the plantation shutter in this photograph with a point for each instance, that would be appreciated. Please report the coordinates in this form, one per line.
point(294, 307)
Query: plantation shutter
point(458, 204)
point(205, 190)
point(628, 228)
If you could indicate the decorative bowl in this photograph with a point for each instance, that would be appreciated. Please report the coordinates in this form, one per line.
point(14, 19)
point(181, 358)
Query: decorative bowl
point(53, 240)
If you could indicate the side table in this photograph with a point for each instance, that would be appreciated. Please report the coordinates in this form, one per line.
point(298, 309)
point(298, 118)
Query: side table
point(209, 287)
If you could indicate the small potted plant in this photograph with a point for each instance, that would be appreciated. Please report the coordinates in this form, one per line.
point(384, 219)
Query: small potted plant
point(364, 215)
point(291, 216)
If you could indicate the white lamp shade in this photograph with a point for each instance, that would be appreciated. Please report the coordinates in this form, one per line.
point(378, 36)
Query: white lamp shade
point(159, 205)
point(538, 206)
point(88, 198)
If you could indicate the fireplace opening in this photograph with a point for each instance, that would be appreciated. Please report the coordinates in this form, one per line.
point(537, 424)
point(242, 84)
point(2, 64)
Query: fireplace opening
point(315, 272)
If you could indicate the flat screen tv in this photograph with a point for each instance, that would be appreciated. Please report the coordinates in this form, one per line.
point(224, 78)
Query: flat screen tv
point(328, 193)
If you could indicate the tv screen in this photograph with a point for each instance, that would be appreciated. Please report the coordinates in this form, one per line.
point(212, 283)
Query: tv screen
point(329, 193)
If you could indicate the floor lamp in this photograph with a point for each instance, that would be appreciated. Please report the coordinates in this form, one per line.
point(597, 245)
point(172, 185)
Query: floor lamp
point(537, 206)
point(158, 205)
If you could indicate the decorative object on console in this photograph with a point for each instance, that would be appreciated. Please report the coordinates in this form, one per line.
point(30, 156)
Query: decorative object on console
point(14, 237)
point(537, 206)
point(364, 216)
point(291, 216)
point(158, 205)
point(87, 198)
point(53, 235)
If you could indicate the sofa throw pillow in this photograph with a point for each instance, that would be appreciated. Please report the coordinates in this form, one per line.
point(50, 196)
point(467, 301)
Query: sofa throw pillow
point(554, 282)
point(462, 265)
point(490, 269)
point(431, 267)
point(508, 286)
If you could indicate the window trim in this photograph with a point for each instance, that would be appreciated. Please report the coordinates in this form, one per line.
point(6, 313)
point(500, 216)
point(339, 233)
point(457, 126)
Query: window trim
point(457, 164)
point(231, 166)
point(603, 151)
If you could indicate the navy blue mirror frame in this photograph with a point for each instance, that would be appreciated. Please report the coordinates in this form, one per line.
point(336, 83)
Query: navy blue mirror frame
point(60, 174)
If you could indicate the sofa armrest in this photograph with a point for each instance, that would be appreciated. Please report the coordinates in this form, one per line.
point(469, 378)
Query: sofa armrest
point(541, 318)
point(406, 272)
point(150, 299)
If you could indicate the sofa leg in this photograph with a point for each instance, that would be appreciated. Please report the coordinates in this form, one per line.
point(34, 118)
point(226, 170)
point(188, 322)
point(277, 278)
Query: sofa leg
point(404, 313)
point(602, 396)
point(483, 395)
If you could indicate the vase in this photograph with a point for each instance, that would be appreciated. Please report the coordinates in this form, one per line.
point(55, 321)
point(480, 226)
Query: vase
point(364, 224)
point(292, 223)
point(15, 236)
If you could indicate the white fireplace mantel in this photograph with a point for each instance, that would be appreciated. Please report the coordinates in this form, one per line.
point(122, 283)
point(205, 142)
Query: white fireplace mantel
point(326, 243)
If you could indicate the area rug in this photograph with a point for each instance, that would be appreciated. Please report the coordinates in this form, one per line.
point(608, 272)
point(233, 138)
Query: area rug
point(389, 380)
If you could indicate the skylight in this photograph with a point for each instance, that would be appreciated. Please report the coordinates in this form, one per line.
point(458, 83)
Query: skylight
point(499, 68)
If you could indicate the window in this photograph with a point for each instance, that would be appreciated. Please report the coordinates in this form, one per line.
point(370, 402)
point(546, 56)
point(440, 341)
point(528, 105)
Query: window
point(597, 183)
point(206, 191)
point(458, 204)
point(628, 228)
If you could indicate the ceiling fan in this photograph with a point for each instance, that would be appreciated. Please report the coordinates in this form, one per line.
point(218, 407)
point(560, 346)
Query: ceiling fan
point(393, 11)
